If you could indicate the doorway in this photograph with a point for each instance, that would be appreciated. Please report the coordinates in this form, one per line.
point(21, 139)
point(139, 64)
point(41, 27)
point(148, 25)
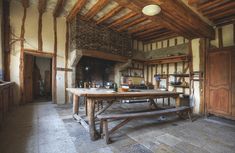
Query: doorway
point(37, 78)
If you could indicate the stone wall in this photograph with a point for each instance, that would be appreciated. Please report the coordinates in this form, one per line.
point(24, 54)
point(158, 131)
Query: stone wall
point(87, 35)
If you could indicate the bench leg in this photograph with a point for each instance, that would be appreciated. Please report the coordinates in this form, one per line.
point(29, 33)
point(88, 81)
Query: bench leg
point(106, 131)
point(101, 128)
point(189, 116)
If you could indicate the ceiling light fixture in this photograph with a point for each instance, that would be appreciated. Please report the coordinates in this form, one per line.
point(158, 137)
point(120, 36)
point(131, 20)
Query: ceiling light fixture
point(151, 10)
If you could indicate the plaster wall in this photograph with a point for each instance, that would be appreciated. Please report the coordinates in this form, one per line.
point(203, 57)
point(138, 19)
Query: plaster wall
point(31, 42)
point(227, 36)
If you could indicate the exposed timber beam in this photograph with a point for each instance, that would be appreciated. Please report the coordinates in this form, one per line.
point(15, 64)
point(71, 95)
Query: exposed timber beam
point(42, 4)
point(95, 9)
point(110, 14)
point(77, 7)
point(132, 23)
point(176, 9)
point(25, 3)
point(122, 19)
point(142, 28)
point(59, 7)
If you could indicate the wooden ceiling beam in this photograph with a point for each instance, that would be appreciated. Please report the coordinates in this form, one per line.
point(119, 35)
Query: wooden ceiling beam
point(158, 32)
point(25, 3)
point(222, 14)
point(77, 7)
point(147, 31)
point(142, 28)
point(208, 4)
point(42, 4)
point(224, 21)
point(193, 2)
point(59, 8)
point(163, 36)
point(173, 7)
point(95, 9)
point(122, 19)
point(132, 23)
point(173, 35)
point(110, 14)
point(220, 9)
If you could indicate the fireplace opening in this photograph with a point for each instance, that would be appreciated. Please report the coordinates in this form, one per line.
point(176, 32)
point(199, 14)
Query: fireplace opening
point(94, 72)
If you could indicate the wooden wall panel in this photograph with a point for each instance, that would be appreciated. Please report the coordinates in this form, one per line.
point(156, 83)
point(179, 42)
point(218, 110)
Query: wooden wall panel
point(233, 82)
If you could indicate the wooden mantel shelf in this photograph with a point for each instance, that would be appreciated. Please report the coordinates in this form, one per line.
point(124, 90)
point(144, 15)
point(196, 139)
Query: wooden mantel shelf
point(171, 59)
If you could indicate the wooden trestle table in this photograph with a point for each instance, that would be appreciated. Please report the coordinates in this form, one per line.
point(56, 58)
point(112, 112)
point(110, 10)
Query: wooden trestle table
point(94, 95)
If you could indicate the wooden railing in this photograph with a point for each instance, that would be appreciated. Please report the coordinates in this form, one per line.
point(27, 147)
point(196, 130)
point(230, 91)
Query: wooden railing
point(6, 99)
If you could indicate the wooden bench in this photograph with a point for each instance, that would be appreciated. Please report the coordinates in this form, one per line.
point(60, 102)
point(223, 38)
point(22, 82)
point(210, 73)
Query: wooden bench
point(129, 116)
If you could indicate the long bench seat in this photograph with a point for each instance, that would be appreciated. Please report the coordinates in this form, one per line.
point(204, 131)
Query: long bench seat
point(129, 116)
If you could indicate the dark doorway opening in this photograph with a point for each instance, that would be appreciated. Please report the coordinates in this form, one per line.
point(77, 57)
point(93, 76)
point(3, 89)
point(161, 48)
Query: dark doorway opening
point(38, 78)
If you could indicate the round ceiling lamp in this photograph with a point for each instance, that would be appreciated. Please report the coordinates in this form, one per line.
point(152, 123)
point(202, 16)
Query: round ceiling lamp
point(151, 10)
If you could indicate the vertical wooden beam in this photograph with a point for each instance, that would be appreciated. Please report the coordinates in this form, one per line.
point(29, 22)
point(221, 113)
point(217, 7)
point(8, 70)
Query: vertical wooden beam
point(176, 41)
point(220, 35)
point(151, 75)
point(54, 86)
point(41, 10)
point(21, 67)
point(190, 62)
point(6, 39)
point(234, 33)
point(40, 43)
point(66, 61)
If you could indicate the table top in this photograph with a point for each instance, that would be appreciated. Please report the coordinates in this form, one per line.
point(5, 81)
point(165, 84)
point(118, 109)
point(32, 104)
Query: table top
point(98, 92)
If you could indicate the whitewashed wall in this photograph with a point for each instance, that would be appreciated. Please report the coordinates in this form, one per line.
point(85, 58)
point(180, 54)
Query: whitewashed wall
point(31, 41)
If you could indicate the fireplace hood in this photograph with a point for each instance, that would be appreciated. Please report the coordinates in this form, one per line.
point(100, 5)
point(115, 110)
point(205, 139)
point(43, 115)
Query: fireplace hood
point(76, 55)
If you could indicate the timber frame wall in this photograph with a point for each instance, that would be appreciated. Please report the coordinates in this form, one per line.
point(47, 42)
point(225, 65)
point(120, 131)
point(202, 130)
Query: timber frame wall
point(27, 45)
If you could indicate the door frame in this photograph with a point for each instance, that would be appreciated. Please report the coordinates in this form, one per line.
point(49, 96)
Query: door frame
point(53, 67)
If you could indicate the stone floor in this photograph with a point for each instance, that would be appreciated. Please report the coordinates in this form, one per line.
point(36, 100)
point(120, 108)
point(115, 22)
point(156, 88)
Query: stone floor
point(48, 128)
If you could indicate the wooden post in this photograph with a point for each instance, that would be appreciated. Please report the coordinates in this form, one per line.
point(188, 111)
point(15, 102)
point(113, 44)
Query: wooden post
point(91, 119)
point(21, 67)
point(220, 35)
point(177, 101)
point(75, 104)
point(66, 61)
point(54, 72)
point(106, 131)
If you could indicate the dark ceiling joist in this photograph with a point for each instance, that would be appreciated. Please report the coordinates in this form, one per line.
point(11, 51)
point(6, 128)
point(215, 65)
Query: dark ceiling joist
point(158, 32)
point(147, 31)
point(59, 7)
point(42, 4)
point(110, 14)
point(221, 8)
point(135, 22)
point(141, 28)
point(25, 3)
point(209, 4)
point(222, 14)
point(175, 7)
point(77, 7)
point(95, 9)
point(122, 19)
point(160, 37)
point(193, 2)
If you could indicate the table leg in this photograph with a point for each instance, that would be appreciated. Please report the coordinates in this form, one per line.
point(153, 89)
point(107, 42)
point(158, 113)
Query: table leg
point(75, 104)
point(91, 119)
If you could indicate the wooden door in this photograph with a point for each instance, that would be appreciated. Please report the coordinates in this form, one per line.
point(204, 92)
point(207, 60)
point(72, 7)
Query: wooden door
point(28, 78)
point(219, 83)
point(233, 82)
